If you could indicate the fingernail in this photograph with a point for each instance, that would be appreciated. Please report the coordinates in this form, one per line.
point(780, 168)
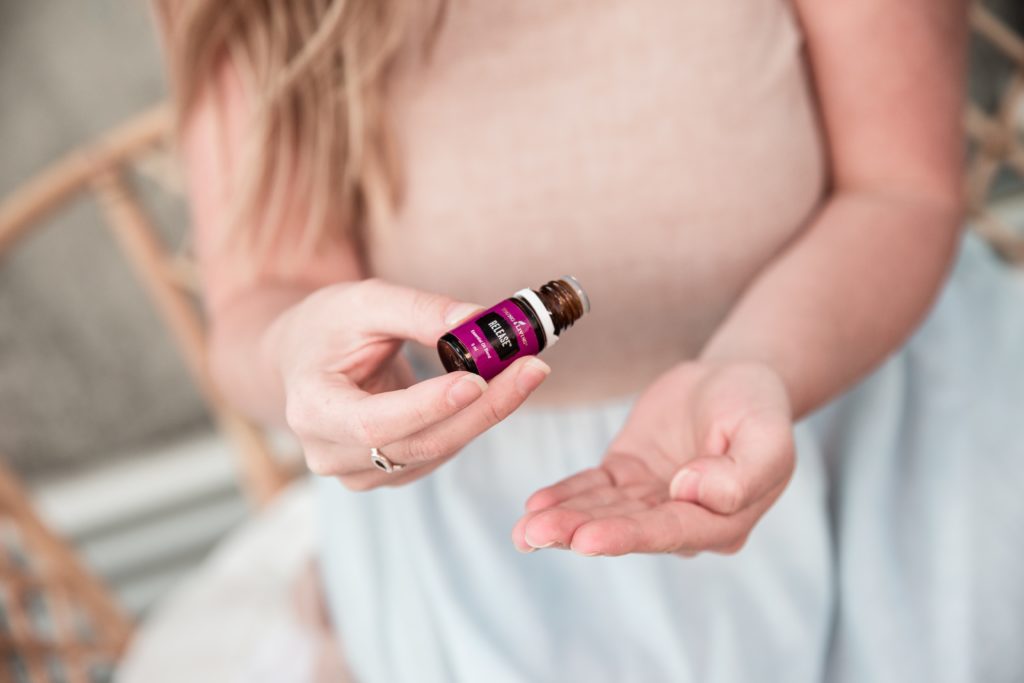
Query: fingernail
point(525, 551)
point(685, 485)
point(458, 312)
point(532, 373)
point(580, 552)
point(535, 546)
point(466, 390)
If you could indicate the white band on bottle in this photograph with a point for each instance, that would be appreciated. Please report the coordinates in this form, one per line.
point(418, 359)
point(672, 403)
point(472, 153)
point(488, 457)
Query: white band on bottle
point(542, 314)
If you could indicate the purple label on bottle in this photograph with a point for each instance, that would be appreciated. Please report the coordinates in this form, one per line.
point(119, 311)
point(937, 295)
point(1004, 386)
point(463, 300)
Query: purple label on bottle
point(497, 337)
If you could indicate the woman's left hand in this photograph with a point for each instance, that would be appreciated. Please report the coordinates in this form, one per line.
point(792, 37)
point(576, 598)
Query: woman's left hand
point(705, 452)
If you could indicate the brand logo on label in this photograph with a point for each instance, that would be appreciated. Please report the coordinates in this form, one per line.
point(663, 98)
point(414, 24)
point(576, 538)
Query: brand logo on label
point(493, 326)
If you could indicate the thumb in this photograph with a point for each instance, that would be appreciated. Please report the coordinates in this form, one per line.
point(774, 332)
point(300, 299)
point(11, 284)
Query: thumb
point(406, 313)
point(713, 481)
point(759, 458)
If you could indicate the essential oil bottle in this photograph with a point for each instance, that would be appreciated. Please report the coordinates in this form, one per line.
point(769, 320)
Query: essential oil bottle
point(524, 324)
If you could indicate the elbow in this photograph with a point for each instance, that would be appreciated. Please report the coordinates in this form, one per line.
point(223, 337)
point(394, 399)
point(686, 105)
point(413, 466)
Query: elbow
point(951, 212)
point(231, 383)
point(240, 377)
point(948, 218)
point(940, 222)
point(931, 220)
point(219, 370)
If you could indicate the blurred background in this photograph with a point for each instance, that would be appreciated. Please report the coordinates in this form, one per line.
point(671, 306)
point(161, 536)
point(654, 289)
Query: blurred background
point(97, 412)
point(100, 418)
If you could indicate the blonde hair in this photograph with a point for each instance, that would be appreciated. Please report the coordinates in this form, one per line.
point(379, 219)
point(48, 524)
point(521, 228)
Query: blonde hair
point(318, 70)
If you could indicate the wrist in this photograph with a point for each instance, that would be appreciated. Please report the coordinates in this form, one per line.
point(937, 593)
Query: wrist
point(751, 371)
point(274, 340)
point(247, 348)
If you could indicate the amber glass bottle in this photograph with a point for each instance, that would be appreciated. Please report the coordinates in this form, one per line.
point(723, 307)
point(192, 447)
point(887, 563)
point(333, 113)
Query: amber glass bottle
point(524, 324)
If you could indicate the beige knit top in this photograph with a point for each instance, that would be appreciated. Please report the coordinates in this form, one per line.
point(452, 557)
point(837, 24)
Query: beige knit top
point(662, 151)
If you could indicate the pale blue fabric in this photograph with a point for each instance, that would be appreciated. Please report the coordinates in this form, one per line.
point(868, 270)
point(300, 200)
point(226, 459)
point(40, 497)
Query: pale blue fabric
point(896, 553)
point(926, 460)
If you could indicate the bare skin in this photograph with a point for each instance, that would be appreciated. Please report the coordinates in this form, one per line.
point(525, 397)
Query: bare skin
point(708, 446)
point(827, 311)
point(320, 354)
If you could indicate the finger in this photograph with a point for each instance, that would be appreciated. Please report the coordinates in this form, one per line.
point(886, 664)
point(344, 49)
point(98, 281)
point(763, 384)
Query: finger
point(650, 493)
point(618, 469)
point(407, 313)
point(369, 476)
point(504, 394)
point(519, 536)
point(759, 457)
point(677, 527)
point(577, 484)
point(555, 527)
point(349, 416)
point(352, 465)
point(672, 527)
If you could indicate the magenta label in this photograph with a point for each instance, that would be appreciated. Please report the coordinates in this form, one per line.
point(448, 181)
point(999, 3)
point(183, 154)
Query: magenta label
point(497, 337)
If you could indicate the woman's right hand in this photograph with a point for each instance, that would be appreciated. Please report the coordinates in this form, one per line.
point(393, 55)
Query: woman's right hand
point(348, 389)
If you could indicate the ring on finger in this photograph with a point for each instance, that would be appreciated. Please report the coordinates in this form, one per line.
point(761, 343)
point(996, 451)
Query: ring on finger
point(383, 463)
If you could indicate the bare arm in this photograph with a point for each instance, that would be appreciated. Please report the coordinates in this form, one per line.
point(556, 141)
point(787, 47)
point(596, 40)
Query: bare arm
point(708, 447)
point(890, 80)
point(241, 306)
point(317, 348)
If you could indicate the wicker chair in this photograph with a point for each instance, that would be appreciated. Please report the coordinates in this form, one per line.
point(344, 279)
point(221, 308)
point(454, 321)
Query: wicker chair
point(57, 623)
point(996, 138)
point(101, 170)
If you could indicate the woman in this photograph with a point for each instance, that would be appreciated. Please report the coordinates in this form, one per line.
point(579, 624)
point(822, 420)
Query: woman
point(762, 199)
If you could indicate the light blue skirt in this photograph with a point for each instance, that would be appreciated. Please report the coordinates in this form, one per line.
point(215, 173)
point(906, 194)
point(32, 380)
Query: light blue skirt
point(895, 554)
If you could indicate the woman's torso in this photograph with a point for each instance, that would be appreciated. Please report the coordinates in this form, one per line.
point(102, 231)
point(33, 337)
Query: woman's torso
point(662, 151)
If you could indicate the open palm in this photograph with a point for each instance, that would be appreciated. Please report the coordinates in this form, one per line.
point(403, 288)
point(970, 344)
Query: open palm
point(705, 451)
